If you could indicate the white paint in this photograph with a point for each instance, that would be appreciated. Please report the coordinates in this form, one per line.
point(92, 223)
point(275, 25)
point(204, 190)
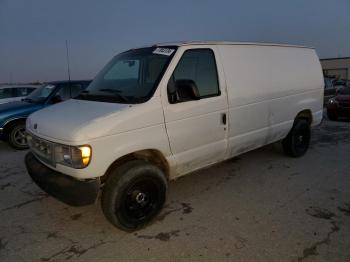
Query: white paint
point(263, 88)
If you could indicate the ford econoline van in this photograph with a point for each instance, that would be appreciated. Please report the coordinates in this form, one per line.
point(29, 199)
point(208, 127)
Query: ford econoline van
point(156, 113)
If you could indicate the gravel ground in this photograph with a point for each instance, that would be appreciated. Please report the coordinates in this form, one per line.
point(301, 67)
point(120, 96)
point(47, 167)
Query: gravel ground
point(261, 206)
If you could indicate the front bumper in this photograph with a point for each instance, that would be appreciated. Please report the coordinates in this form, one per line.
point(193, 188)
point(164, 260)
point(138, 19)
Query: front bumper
point(339, 110)
point(64, 188)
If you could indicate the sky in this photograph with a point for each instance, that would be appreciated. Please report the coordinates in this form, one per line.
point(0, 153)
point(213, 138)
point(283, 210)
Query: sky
point(33, 33)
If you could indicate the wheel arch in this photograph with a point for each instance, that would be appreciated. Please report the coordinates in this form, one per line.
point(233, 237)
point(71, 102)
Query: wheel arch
point(152, 156)
point(305, 114)
point(11, 122)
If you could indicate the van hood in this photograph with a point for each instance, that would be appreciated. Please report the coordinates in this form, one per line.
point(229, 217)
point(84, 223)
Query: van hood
point(76, 121)
point(63, 120)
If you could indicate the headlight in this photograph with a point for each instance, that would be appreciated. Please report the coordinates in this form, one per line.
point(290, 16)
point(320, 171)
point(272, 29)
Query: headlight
point(73, 156)
point(333, 101)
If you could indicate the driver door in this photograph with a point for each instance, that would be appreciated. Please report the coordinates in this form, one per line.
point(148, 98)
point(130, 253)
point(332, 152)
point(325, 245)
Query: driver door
point(197, 129)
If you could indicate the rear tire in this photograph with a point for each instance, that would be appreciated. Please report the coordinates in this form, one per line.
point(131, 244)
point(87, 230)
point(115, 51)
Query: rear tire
point(332, 116)
point(133, 195)
point(298, 139)
point(17, 136)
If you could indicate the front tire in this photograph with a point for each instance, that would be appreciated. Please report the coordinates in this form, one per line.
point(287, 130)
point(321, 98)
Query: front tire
point(17, 136)
point(298, 139)
point(133, 195)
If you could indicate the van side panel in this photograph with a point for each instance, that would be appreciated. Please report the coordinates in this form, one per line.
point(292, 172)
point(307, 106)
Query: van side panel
point(267, 87)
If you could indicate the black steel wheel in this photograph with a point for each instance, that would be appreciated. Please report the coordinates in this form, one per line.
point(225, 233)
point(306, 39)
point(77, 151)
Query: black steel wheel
point(133, 195)
point(298, 140)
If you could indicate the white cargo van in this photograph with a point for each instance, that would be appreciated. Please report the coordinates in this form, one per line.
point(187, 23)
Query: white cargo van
point(156, 113)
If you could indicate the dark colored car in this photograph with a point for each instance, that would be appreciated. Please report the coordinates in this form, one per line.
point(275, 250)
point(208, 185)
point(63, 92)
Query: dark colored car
point(332, 87)
point(339, 106)
point(340, 83)
point(13, 115)
point(15, 92)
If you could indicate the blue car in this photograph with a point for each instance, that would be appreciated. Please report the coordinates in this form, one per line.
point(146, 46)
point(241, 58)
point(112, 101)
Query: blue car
point(13, 115)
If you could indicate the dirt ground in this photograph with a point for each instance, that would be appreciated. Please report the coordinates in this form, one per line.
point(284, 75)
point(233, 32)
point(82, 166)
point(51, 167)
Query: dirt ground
point(261, 206)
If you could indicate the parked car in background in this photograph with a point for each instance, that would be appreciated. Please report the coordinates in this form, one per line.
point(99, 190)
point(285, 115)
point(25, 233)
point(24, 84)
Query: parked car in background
point(13, 93)
point(329, 89)
point(14, 114)
point(340, 83)
point(332, 87)
point(339, 106)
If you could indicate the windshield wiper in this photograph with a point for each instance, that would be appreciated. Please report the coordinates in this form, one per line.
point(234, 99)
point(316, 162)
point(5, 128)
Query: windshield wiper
point(27, 100)
point(116, 93)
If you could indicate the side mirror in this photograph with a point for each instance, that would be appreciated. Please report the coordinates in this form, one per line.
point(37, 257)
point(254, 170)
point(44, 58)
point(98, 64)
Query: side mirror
point(183, 90)
point(56, 99)
point(339, 91)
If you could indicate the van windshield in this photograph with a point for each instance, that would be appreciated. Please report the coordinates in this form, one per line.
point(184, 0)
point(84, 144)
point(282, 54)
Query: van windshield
point(130, 77)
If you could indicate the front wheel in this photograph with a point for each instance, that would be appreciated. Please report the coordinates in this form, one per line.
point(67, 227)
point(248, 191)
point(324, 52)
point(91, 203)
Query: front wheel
point(134, 194)
point(298, 139)
point(17, 136)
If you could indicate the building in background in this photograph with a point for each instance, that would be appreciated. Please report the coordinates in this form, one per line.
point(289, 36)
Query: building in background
point(338, 68)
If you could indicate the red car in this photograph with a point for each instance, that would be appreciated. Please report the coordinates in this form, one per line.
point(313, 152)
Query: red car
point(339, 106)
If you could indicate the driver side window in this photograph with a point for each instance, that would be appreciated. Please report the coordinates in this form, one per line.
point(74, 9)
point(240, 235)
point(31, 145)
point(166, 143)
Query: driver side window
point(199, 66)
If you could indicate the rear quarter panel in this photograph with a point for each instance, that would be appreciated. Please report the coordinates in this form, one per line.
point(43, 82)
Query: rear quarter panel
point(267, 87)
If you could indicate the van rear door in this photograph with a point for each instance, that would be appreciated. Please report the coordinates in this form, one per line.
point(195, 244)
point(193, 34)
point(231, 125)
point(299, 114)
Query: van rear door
point(197, 128)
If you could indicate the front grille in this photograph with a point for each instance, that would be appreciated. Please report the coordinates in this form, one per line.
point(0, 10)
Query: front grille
point(42, 149)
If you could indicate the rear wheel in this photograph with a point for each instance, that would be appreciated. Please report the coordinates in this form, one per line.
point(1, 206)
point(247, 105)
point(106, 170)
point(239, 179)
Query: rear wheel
point(133, 195)
point(332, 115)
point(17, 136)
point(297, 141)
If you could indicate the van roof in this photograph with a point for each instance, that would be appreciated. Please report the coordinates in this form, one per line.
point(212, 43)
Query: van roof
point(186, 43)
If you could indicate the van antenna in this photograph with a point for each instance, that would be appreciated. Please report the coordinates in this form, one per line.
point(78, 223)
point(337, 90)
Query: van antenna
point(67, 53)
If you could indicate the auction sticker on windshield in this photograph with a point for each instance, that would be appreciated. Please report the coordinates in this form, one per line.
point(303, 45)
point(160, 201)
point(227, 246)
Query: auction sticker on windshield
point(163, 51)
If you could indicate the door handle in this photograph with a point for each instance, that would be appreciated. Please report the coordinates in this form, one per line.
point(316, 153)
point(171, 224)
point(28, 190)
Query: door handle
point(223, 118)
